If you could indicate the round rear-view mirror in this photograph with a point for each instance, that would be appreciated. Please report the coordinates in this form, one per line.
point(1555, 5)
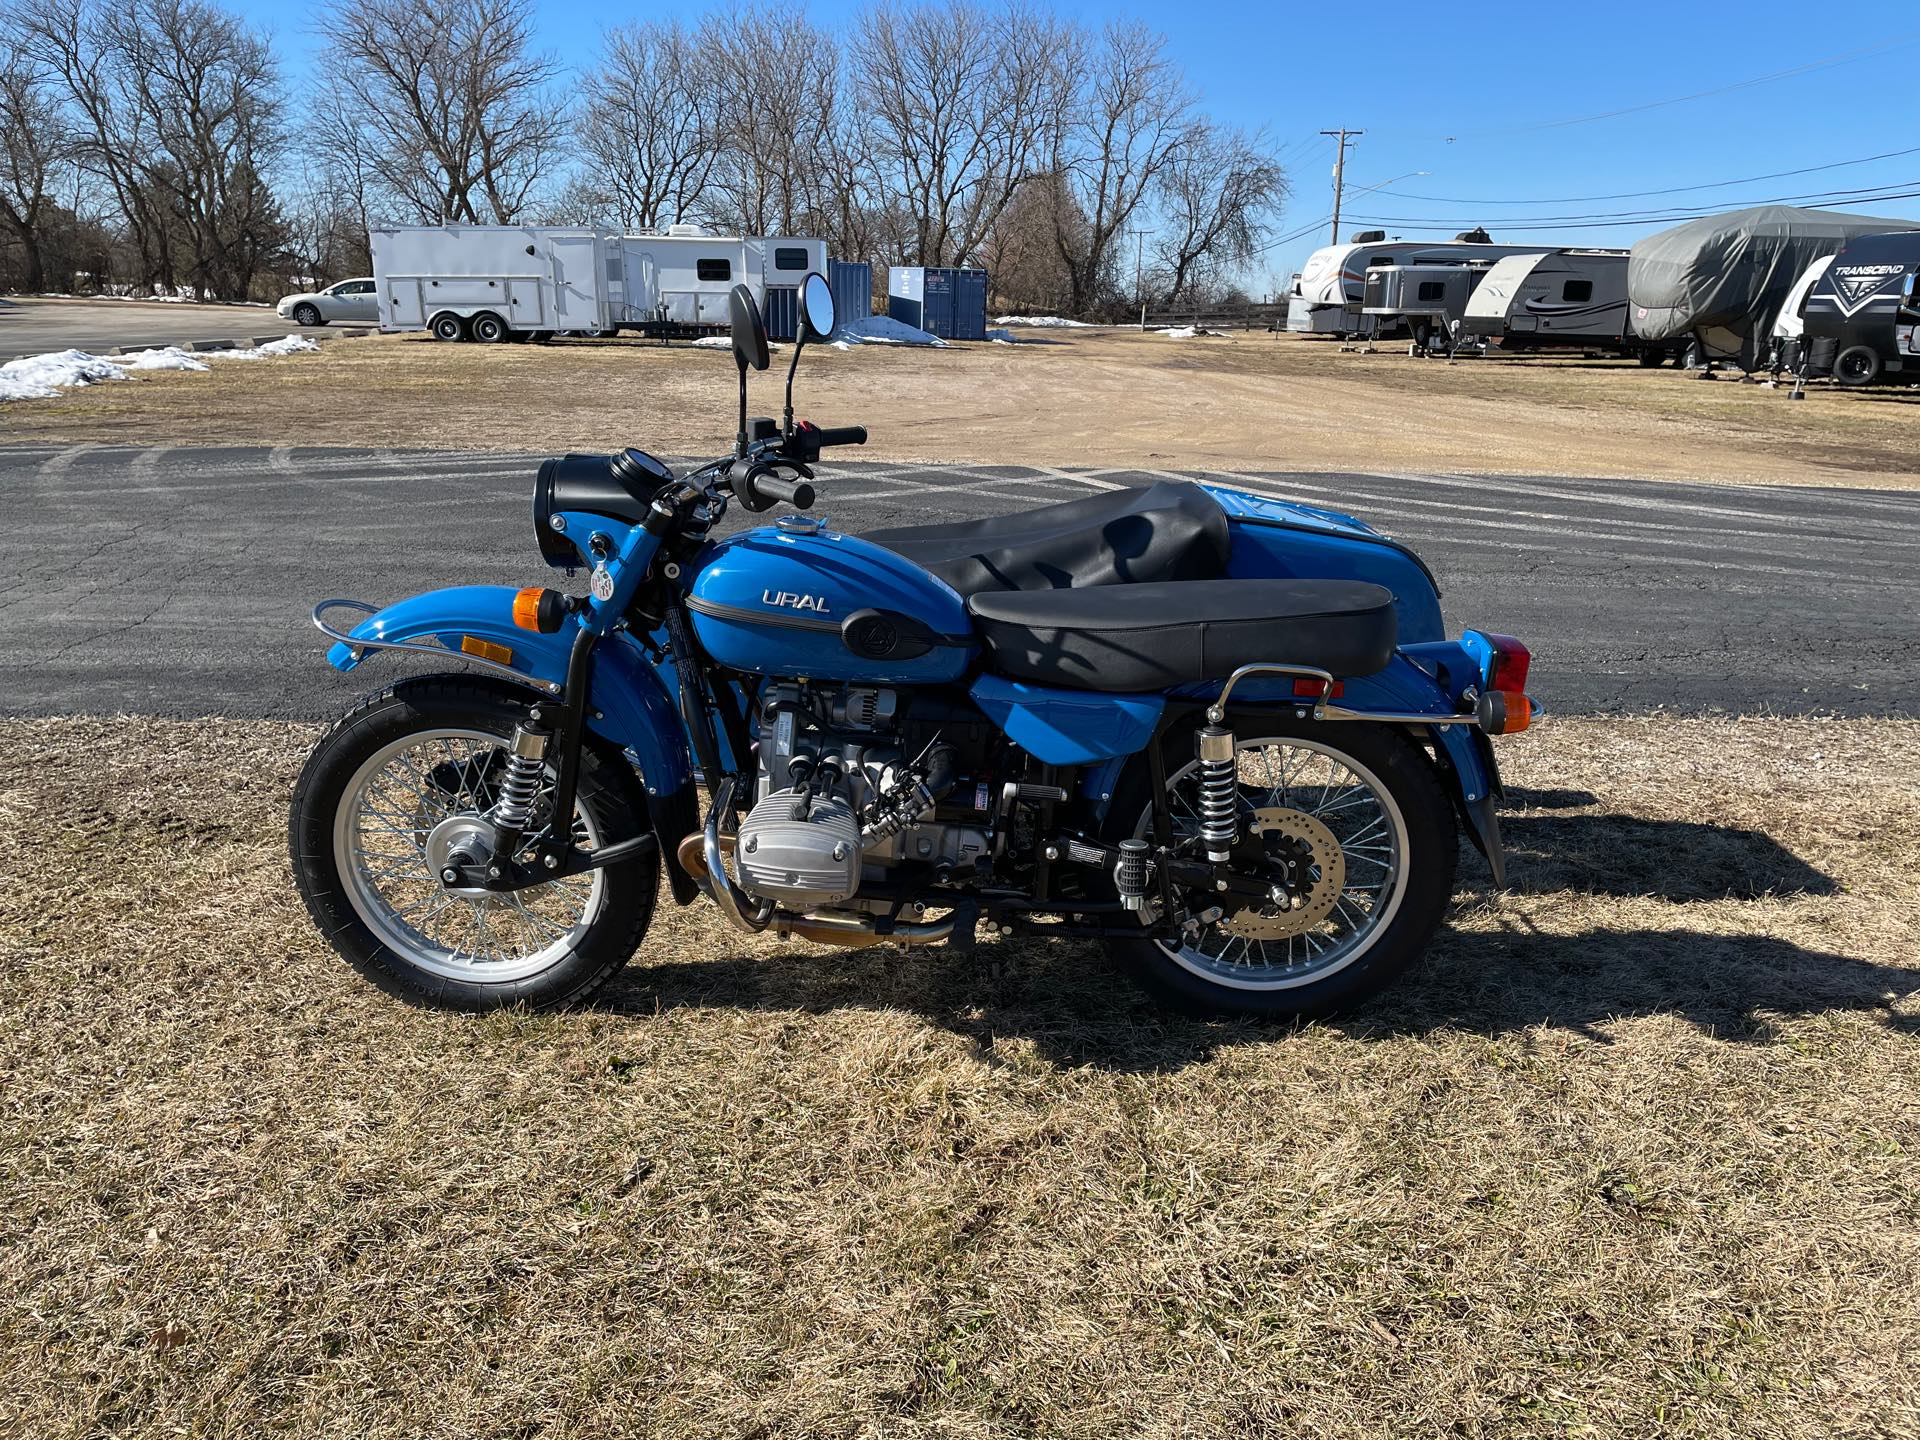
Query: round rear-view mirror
point(749, 330)
point(816, 306)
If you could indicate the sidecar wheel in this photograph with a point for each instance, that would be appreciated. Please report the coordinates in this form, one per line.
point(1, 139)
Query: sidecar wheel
point(407, 773)
point(1366, 791)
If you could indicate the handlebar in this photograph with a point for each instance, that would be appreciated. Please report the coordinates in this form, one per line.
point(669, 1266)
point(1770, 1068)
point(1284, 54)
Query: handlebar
point(764, 488)
point(843, 435)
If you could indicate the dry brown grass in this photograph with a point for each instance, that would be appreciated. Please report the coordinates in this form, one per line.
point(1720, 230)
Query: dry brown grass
point(1631, 1154)
point(1247, 401)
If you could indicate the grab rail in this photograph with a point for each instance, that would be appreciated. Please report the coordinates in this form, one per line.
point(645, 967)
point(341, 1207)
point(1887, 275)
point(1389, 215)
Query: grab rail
point(357, 644)
point(1323, 708)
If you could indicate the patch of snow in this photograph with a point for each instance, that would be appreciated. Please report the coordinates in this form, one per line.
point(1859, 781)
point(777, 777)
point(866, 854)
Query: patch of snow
point(1003, 337)
point(1044, 322)
point(713, 342)
point(1187, 332)
point(882, 330)
point(287, 345)
point(171, 357)
point(40, 377)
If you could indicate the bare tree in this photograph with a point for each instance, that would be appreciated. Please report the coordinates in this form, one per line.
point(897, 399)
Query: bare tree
point(1218, 193)
point(1132, 118)
point(780, 113)
point(960, 101)
point(36, 141)
point(444, 104)
point(650, 123)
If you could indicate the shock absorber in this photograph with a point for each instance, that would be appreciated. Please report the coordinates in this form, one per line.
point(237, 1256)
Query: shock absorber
point(1219, 792)
point(520, 785)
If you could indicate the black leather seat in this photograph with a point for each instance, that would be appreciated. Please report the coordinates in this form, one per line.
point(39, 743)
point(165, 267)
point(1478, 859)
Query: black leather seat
point(1172, 530)
point(1154, 636)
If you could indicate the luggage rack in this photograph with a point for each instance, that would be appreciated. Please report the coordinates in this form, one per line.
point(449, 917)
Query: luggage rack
point(358, 645)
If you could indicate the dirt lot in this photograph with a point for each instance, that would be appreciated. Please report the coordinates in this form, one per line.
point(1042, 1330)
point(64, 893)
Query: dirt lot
point(1074, 397)
point(1632, 1154)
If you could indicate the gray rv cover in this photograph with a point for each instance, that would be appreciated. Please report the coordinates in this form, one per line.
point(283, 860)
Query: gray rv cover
point(1731, 272)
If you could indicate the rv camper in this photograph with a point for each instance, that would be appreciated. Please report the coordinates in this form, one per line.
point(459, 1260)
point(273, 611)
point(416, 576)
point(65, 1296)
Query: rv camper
point(1573, 299)
point(1862, 313)
point(508, 282)
point(1427, 299)
point(1790, 326)
point(1715, 285)
point(1327, 298)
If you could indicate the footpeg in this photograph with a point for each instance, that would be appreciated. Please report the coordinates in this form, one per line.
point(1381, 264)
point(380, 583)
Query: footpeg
point(1132, 874)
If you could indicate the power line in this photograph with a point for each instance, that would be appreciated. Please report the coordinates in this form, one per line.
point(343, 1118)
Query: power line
point(1671, 190)
point(1864, 195)
point(1906, 38)
point(1523, 224)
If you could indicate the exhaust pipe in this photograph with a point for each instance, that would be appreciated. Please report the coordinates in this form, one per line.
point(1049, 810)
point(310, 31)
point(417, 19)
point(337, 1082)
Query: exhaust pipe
point(702, 856)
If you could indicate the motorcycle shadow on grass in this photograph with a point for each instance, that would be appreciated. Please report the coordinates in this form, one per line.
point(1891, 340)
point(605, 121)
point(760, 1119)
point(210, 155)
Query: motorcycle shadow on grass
point(1078, 1009)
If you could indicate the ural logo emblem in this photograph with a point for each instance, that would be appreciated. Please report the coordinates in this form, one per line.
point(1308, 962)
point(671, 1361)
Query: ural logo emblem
point(1855, 285)
point(787, 600)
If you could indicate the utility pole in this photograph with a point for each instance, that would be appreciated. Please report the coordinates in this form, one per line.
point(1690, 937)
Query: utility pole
point(1340, 172)
point(1139, 272)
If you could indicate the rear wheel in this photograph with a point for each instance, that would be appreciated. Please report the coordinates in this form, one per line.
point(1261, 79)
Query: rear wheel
point(487, 328)
point(1358, 810)
point(449, 327)
point(404, 781)
point(1856, 365)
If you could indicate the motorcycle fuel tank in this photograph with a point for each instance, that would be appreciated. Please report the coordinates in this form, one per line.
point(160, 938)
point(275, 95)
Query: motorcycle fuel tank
point(795, 598)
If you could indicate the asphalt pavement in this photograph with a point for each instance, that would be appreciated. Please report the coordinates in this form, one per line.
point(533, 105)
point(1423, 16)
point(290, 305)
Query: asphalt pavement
point(36, 327)
point(177, 581)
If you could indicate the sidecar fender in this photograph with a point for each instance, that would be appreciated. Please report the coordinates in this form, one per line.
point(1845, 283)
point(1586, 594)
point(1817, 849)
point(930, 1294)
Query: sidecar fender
point(629, 705)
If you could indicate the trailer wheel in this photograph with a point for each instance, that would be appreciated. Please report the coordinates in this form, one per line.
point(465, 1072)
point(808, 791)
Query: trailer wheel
point(449, 327)
point(1856, 365)
point(1649, 359)
point(487, 328)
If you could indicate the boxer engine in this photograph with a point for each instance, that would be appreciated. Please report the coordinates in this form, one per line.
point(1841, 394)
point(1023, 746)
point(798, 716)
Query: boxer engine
point(851, 791)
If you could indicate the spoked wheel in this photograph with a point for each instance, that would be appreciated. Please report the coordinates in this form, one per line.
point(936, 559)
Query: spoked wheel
point(404, 787)
point(1348, 824)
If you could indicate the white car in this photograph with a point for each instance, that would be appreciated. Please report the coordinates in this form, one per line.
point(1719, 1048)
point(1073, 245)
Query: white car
point(350, 300)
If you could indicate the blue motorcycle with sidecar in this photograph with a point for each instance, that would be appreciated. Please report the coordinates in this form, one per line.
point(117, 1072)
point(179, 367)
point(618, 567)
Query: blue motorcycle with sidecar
point(1224, 733)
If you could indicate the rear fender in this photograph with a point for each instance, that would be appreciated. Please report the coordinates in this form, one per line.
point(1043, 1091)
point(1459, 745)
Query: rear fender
point(628, 705)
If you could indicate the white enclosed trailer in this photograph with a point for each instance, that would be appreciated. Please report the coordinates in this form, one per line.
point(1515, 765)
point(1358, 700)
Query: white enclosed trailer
point(1571, 298)
point(491, 282)
point(496, 282)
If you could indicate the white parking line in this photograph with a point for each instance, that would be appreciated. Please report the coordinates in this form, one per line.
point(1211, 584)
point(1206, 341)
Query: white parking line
point(62, 460)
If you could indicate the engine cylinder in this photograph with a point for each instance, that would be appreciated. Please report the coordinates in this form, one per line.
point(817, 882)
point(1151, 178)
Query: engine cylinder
point(799, 850)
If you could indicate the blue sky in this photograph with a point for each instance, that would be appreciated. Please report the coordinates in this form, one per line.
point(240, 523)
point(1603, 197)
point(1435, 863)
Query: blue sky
point(1500, 80)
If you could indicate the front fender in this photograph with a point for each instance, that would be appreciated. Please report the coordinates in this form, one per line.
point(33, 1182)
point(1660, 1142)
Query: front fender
point(627, 705)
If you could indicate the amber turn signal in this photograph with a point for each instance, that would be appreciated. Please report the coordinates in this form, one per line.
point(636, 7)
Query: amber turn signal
point(1504, 713)
point(538, 608)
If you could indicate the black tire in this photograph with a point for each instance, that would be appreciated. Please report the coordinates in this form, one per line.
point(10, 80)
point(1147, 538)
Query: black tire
point(449, 328)
point(487, 328)
point(609, 793)
point(308, 315)
point(1649, 359)
point(1408, 777)
point(1857, 365)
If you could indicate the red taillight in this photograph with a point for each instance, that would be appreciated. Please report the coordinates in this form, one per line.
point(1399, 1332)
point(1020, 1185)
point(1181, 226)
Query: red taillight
point(1510, 662)
point(1315, 690)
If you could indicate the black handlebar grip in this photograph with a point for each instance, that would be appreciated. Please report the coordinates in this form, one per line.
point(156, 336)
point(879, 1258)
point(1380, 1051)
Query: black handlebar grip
point(796, 493)
point(841, 435)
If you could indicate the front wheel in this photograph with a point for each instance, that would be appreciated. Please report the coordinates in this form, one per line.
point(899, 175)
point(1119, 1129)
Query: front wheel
point(307, 315)
point(1358, 811)
point(408, 777)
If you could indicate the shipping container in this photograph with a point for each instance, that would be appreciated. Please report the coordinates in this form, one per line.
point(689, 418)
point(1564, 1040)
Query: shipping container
point(941, 300)
point(852, 284)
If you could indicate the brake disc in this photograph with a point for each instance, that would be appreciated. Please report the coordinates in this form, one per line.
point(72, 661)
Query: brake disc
point(1328, 878)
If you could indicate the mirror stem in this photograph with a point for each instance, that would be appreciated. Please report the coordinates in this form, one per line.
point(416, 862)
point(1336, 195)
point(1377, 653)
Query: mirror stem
point(793, 364)
point(740, 438)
